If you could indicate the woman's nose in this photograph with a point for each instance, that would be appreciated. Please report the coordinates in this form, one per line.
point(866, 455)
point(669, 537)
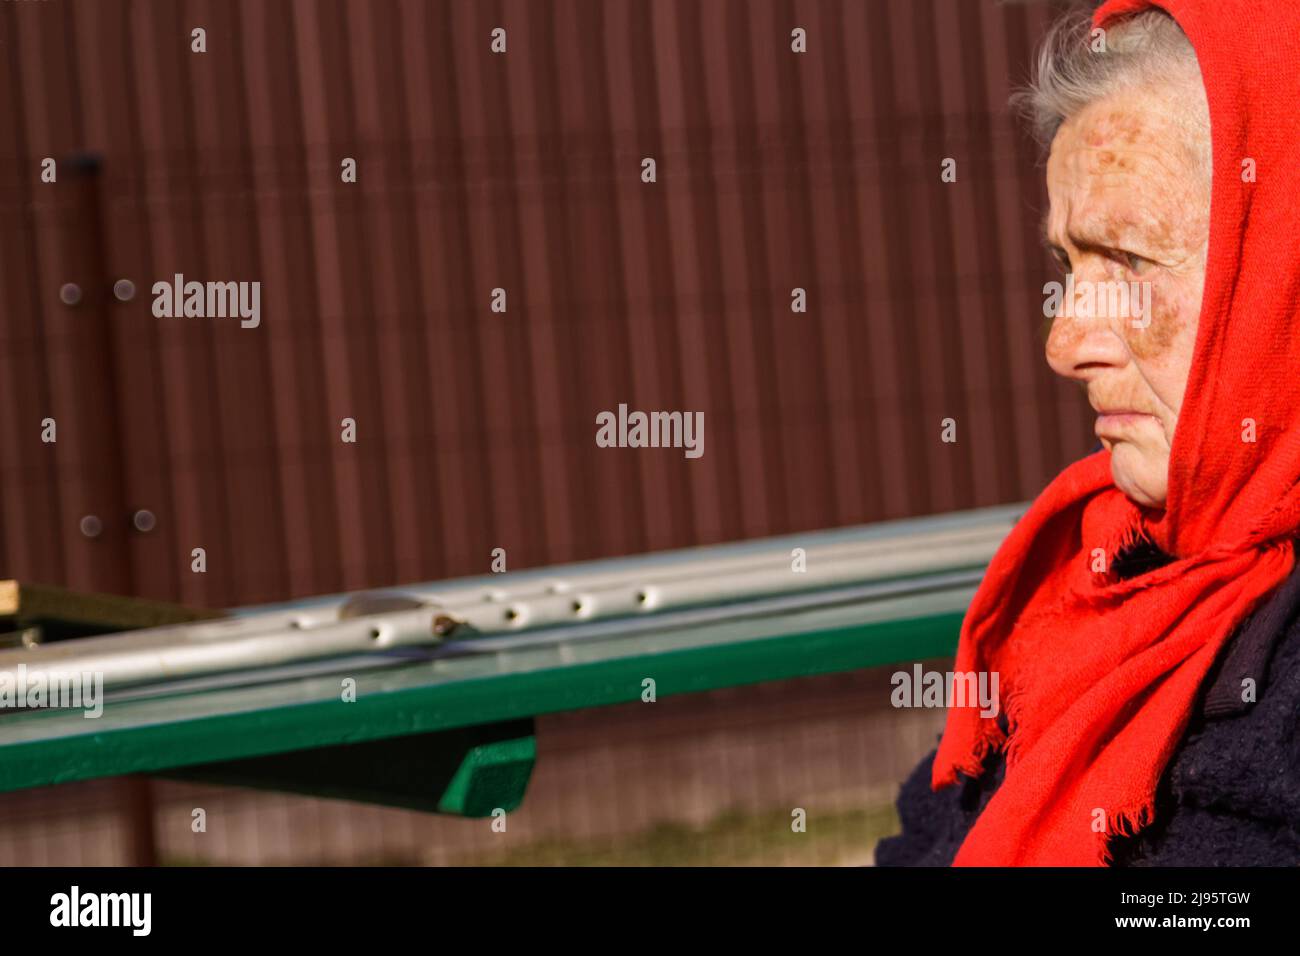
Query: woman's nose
point(1083, 339)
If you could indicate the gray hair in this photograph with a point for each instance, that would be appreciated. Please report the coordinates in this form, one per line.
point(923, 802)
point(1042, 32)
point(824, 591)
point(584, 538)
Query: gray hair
point(1146, 50)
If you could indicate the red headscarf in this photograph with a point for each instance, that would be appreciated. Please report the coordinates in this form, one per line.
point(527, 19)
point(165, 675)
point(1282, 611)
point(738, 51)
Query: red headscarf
point(1100, 677)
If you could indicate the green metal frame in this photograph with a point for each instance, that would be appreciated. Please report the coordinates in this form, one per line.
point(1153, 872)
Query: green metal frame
point(453, 733)
point(417, 700)
point(466, 771)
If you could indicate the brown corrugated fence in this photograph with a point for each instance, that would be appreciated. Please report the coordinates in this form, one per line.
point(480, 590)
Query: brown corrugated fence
point(519, 171)
point(475, 428)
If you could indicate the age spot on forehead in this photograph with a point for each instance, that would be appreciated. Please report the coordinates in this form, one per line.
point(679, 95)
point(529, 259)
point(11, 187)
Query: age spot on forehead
point(1117, 126)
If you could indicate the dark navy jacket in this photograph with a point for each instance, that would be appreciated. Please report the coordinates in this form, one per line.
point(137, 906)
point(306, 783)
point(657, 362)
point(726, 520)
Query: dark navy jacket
point(1230, 795)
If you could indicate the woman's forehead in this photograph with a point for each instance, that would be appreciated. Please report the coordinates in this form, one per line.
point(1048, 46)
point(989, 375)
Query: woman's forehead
point(1121, 167)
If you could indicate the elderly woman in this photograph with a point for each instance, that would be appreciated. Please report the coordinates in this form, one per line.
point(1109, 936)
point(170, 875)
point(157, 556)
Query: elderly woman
point(1144, 615)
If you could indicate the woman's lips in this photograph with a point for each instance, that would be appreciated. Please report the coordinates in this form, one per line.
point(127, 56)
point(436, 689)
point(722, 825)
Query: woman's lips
point(1119, 421)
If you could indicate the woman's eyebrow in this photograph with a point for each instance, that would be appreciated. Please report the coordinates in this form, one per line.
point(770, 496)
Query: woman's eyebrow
point(1085, 244)
point(1080, 239)
point(1083, 238)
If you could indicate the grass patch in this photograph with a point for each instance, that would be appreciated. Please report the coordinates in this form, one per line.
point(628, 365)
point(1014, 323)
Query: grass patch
point(733, 838)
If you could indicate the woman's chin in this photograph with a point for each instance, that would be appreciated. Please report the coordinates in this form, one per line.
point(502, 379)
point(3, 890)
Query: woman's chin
point(1141, 481)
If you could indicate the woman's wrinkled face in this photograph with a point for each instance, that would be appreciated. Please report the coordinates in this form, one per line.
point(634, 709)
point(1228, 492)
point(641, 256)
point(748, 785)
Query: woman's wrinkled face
point(1129, 205)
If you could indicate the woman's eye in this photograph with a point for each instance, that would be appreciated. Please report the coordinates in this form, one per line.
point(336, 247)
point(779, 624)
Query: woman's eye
point(1135, 264)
